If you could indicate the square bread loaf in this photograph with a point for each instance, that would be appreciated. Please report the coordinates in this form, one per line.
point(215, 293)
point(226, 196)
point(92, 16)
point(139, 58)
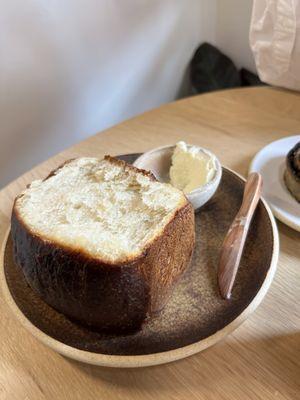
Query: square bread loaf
point(102, 241)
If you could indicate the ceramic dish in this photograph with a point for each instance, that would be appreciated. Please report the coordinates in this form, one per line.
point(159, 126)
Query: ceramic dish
point(196, 316)
point(158, 161)
point(270, 163)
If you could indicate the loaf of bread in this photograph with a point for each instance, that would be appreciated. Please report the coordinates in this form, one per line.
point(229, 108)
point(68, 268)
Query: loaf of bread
point(102, 241)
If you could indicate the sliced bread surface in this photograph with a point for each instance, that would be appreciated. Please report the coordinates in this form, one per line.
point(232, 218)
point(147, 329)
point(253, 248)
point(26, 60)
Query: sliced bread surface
point(103, 207)
point(102, 241)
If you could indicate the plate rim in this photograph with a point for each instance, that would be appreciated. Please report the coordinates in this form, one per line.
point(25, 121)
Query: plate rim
point(275, 211)
point(145, 360)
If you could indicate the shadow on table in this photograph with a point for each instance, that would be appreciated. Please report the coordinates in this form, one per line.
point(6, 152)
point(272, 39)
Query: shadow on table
point(270, 366)
point(291, 234)
point(242, 166)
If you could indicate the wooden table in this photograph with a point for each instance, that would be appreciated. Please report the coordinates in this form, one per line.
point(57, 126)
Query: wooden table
point(261, 359)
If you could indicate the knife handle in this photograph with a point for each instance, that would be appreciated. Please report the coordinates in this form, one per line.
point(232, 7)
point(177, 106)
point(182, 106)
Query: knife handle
point(233, 244)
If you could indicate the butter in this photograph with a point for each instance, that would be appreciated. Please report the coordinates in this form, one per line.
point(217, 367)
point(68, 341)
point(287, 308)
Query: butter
point(191, 167)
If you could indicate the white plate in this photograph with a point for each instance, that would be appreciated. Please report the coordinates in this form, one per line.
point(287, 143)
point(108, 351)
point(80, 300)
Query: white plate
point(270, 163)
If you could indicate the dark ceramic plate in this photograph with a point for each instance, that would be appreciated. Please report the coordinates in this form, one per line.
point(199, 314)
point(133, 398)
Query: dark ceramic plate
point(194, 318)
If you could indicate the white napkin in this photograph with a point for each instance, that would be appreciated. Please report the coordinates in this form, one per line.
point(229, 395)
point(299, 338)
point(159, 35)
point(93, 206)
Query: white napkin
point(275, 41)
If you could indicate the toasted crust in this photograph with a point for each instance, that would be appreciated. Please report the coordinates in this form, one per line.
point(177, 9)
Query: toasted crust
point(129, 167)
point(107, 296)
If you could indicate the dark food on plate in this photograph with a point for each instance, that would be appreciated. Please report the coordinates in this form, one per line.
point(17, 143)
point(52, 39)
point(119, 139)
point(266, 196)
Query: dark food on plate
point(292, 172)
point(102, 241)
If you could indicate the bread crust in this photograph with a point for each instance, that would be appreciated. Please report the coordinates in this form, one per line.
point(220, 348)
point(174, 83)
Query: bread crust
point(114, 297)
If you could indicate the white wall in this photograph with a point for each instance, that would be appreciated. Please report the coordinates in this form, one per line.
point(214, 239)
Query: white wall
point(232, 31)
point(73, 68)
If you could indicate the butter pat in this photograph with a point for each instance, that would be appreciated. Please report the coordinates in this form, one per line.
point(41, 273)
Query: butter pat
point(191, 167)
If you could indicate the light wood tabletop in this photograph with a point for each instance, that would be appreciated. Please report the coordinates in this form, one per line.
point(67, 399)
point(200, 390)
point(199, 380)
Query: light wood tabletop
point(261, 359)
